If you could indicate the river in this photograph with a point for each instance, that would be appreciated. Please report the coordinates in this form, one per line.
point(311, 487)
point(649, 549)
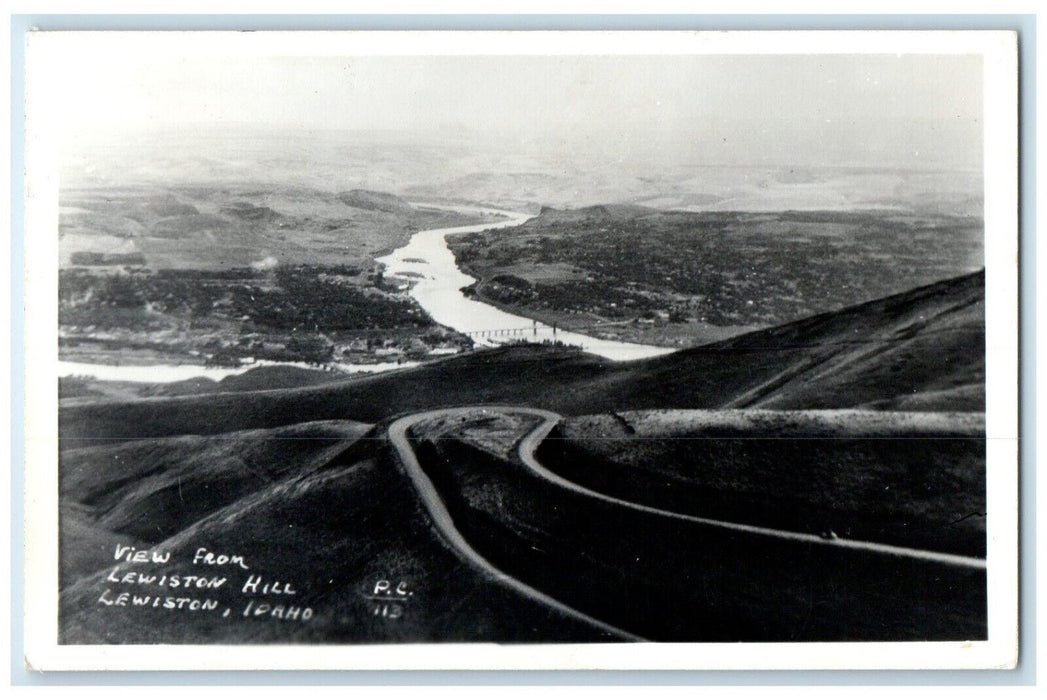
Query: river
point(437, 284)
point(162, 374)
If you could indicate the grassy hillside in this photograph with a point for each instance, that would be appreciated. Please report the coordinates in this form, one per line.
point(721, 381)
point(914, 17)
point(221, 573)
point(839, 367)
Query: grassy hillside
point(926, 341)
point(909, 479)
point(668, 579)
point(314, 507)
point(922, 349)
point(375, 201)
point(201, 226)
point(323, 509)
point(77, 390)
point(144, 491)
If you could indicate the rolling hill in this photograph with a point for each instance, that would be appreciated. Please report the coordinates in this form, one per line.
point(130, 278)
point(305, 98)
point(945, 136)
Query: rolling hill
point(316, 508)
point(909, 479)
point(598, 213)
point(375, 201)
point(212, 227)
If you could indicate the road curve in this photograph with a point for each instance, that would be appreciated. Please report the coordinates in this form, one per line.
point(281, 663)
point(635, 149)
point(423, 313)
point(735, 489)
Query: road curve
point(533, 439)
point(445, 524)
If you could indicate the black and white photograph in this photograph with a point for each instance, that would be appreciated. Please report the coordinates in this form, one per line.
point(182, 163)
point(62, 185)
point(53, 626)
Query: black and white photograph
point(521, 349)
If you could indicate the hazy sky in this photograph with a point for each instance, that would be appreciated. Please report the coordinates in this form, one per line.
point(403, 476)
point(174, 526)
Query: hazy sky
point(888, 110)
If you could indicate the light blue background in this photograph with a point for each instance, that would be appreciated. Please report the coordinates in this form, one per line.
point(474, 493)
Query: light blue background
point(1025, 25)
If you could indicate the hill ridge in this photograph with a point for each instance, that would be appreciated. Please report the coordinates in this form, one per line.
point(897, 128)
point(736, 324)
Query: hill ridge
point(375, 201)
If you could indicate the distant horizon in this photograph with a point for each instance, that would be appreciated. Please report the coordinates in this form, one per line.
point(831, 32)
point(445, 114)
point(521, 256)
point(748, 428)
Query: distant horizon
point(205, 131)
point(913, 111)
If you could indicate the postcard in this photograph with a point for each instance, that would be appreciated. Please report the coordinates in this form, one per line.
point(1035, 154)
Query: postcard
point(521, 350)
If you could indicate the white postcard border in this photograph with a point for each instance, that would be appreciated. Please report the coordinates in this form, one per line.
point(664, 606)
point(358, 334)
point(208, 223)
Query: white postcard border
point(45, 54)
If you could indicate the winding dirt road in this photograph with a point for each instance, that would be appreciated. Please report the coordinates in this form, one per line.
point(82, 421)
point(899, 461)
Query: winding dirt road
point(445, 524)
point(398, 435)
point(531, 442)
